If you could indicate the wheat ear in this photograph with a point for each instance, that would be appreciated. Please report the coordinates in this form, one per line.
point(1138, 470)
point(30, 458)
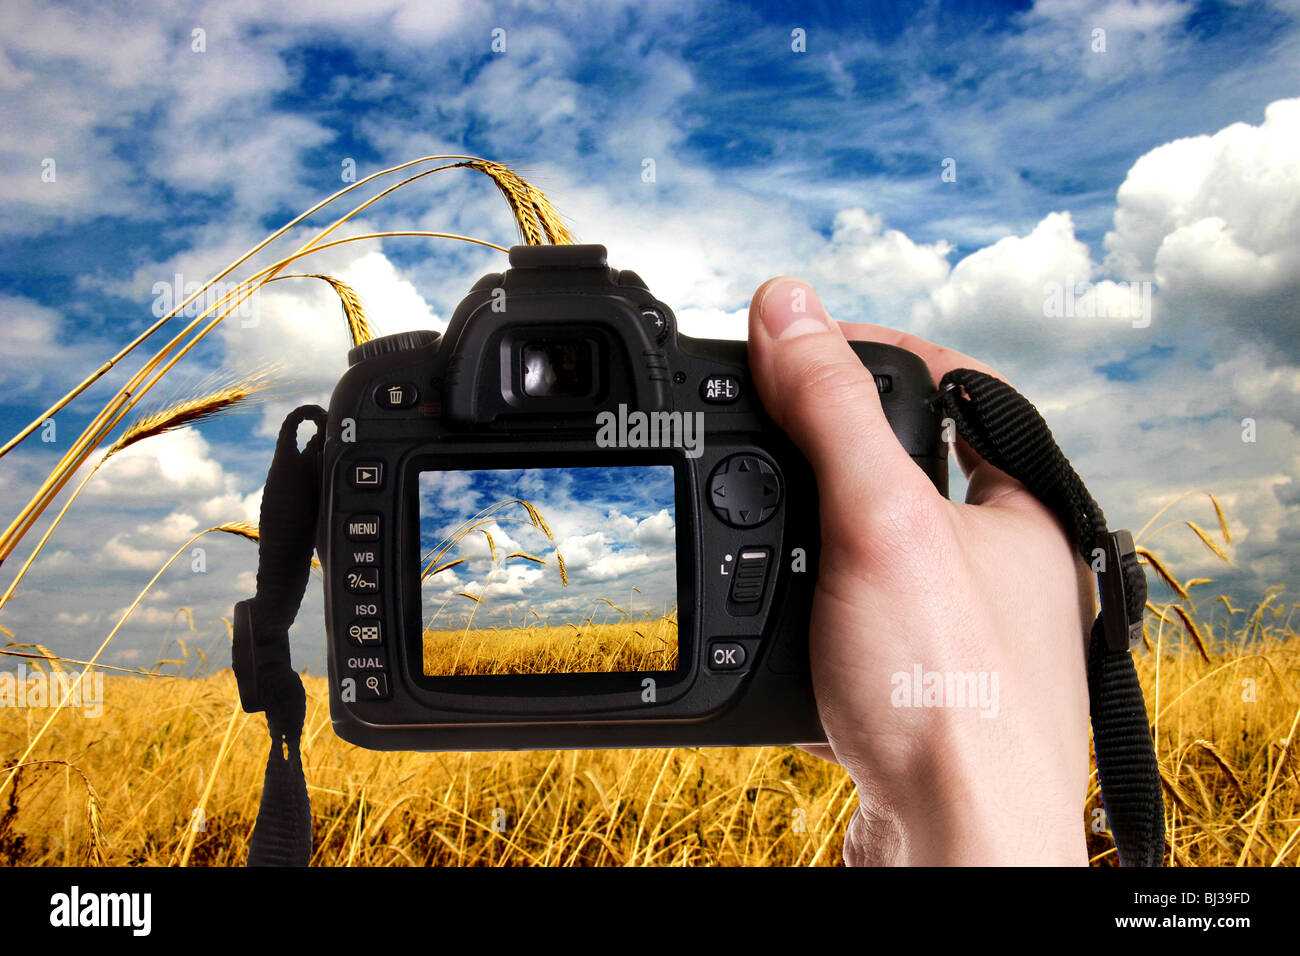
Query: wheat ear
point(181, 414)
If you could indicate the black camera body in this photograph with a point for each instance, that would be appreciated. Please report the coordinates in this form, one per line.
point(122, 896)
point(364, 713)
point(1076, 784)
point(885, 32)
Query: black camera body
point(544, 420)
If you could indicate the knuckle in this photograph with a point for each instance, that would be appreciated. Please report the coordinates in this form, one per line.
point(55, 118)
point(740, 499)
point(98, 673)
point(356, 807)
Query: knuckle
point(831, 384)
point(909, 521)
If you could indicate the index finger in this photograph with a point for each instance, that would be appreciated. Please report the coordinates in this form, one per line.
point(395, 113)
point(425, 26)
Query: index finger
point(986, 482)
point(940, 359)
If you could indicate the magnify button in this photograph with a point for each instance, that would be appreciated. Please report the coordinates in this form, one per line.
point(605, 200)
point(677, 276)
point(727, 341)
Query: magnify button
point(372, 686)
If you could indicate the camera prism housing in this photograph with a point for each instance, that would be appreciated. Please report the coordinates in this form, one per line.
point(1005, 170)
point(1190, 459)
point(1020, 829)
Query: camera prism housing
point(563, 524)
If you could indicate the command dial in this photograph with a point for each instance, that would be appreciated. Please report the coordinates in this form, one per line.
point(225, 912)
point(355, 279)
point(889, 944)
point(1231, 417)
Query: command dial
point(397, 342)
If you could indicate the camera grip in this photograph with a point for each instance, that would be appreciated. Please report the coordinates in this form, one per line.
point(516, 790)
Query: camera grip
point(908, 397)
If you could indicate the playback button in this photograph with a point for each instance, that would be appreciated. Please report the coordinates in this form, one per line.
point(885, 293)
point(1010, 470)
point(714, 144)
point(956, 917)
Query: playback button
point(368, 475)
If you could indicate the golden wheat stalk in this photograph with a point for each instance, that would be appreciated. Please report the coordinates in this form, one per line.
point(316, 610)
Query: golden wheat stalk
point(313, 244)
point(1219, 759)
point(180, 414)
point(358, 325)
point(613, 605)
point(430, 571)
point(1208, 541)
point(191, 411)
point(536, 218)
point(491, 515)
point(97, 842)
point(54, 659)
point(130, 393)
point(1163, 572)
point(1190, 626)
point(75, 685)
point(245, 529)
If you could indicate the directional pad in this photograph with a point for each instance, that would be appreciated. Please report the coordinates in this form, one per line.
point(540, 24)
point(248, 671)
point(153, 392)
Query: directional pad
point(744, 491)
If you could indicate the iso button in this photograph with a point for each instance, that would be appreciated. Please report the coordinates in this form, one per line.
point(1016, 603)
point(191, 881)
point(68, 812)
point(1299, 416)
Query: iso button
point(365, 632)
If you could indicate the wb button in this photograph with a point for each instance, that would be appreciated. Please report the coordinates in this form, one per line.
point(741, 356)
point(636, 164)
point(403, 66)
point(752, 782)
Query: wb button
point(726, 656)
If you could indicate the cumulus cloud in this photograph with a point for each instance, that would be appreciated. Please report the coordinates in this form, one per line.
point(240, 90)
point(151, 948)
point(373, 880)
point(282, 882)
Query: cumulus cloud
point(1215, 220)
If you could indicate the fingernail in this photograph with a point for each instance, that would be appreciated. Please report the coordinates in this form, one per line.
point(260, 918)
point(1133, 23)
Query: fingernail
point(790, 308)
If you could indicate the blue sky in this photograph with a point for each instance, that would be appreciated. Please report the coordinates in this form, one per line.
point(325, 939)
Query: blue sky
point(1168, 154)
point(615, 528)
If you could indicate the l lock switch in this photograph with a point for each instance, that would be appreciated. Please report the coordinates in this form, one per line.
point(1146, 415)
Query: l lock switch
point(749, 580)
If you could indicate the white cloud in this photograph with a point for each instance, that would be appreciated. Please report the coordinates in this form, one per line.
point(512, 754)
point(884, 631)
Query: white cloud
point(1243, 179)
point(162, 468)
point(657, 530)
point(1216, 221)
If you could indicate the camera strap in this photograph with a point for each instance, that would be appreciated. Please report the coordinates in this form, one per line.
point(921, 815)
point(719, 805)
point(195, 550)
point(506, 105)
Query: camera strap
point(1004, 429)
point(260, 648)
point(997, 422)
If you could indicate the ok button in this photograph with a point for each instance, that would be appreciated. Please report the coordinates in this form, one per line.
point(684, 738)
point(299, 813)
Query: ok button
point(726, 656)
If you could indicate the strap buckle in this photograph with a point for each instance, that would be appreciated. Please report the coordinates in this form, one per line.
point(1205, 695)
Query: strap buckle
point(1122, 634)
point(243, 657)
point(253, 656)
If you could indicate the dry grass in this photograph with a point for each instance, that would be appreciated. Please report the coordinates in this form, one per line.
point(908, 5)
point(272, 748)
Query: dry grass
point(1225, 729)
point(155, 753)
point(595, 648)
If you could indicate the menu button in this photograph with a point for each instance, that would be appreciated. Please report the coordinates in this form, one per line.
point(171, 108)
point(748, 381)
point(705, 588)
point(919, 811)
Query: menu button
point(363, 527)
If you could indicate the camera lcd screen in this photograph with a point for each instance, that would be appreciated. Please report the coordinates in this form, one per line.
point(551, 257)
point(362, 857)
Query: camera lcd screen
point(548, 570)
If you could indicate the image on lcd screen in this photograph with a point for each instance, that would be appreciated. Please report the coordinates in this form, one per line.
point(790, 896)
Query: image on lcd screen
point(548, 570)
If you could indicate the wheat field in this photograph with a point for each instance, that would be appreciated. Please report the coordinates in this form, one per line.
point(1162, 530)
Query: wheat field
point(171, 772)
point(570, 649)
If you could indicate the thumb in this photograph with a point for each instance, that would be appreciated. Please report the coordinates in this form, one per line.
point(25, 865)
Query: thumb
point(818, 391)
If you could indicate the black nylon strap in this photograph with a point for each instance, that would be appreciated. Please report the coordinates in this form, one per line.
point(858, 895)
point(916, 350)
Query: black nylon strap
point(1004, 429)
point(267, 680)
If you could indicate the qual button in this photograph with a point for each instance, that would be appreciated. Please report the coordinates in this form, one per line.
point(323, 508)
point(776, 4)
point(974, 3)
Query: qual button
point(365, 685)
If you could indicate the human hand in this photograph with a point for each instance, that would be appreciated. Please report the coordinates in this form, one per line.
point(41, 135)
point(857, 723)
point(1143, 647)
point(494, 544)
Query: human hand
point(908, 579)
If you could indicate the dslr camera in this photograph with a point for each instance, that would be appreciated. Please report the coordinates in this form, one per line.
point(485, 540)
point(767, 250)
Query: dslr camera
point(563, 524)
